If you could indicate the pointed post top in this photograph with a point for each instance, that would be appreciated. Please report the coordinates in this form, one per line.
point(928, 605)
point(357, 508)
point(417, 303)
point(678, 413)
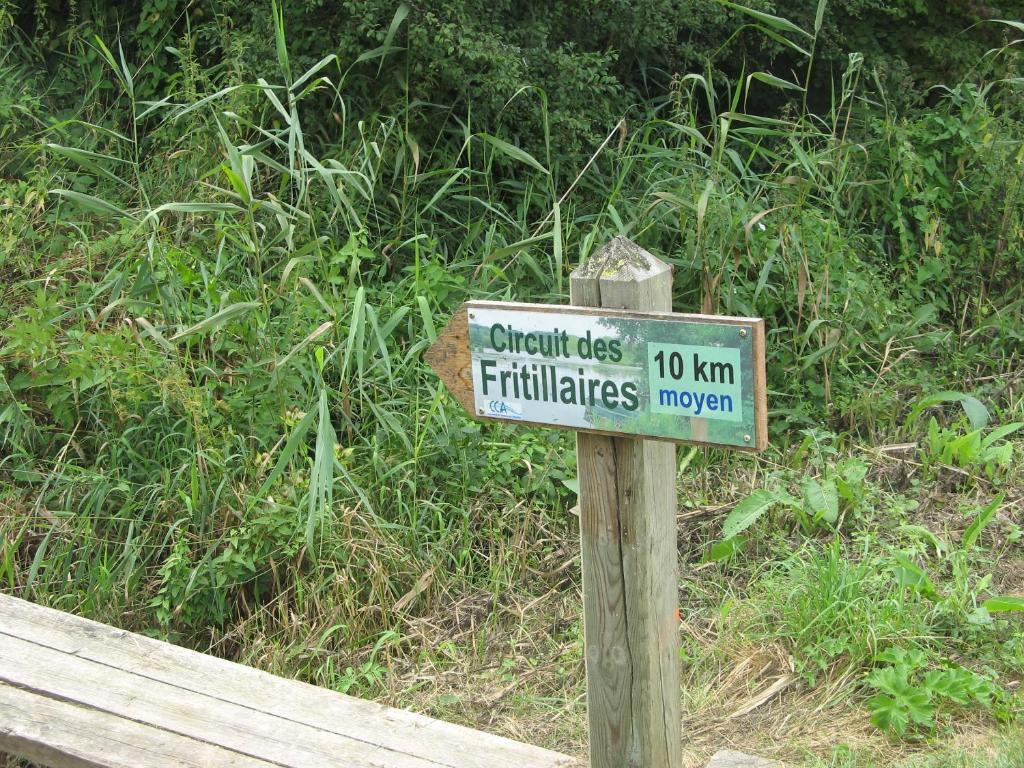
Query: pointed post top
point(622, 275)
point(621, 260)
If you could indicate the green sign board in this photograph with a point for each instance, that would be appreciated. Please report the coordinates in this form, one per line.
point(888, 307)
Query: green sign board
point(685, 378)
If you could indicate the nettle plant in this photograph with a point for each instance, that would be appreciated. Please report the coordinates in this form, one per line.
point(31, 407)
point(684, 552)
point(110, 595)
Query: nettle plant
point(830, 491)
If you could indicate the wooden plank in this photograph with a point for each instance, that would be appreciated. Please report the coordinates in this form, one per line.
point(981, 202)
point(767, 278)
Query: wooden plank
point(385, 728)
point(450, 357)
point(627, 527)
point(63, 735)
point(234, 727)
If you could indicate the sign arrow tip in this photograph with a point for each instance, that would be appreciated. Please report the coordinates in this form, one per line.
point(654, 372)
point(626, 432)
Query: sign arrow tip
point(449, 357)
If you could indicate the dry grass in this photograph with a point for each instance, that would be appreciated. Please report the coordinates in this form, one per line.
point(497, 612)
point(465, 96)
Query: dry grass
point(511, 662)
point(516, 669)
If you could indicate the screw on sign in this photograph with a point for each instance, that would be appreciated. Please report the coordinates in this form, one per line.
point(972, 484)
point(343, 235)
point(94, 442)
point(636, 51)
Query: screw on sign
point(632, 378)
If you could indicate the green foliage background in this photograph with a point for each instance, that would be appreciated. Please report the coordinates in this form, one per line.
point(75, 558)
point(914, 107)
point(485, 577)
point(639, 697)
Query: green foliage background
point(596, 60)
point(229, 230)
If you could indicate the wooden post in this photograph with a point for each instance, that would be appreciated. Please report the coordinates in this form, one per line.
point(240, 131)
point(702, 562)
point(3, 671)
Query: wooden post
point(627, 501)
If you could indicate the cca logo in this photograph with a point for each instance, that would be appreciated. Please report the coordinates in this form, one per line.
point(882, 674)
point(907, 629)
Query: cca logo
point(501, 408)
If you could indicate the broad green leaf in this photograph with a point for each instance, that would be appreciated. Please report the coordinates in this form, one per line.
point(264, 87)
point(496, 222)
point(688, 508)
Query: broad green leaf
point(216, 321)
point(57, 128)
point(121, 71)
point(892, 655)
point(722, 550)
point(154, 334)
point(192, 208)
point(964, 450)
point(923, 534)
point(983, 518)
point(281, 46)
point(1018, 25)
point(702, 202)
point(512, 151)
point(910, 574)
point(287, 453)
point(775, 82)
point(774, 22)
point(396, 317)
point(308, 284)
point(354, 342)
point(241, 185)
point(1000, 433)
point(850, 478)
point(91, 203)
point(268, 91)
point(556, 235)
point(508, 250)
point(1004, 604)
point(38, 559)
point(821, 499)
point(979, 617)
point(427, 317)
point(891, 680)
point(976, 411)
point(747, 512)
point(819, 15)
point(784, 125)
point(888, 715)
point(309, 73)
point(381, 339)
point(316, 334)
point(321, 476)
point(387, 46)
point(951, 683)
point(920, 707)
point(458, 174)
point(199, 104)
point(783, 40)
point(91, 161)
point(129, 81)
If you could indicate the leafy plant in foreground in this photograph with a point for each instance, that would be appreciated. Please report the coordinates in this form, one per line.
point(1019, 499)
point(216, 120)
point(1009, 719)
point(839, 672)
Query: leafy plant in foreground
point(976, 450)
point(910, 695)
point(819, 504)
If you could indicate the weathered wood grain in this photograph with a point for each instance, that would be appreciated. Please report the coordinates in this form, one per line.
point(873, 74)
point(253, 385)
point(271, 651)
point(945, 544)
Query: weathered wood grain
point(450, 358)
point(55, 733)
point(203, 718)
point(137, 679)
point(760, 389)
point(627, 527)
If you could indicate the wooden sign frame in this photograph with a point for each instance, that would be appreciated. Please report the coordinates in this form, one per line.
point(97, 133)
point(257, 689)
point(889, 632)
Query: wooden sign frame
point(450, 357)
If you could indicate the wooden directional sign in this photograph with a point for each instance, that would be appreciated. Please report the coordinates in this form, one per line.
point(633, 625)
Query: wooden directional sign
point(615, 367)
point(665, 376)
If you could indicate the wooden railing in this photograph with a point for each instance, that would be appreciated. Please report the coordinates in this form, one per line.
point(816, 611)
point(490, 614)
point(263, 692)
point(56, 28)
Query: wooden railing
point(77, 693)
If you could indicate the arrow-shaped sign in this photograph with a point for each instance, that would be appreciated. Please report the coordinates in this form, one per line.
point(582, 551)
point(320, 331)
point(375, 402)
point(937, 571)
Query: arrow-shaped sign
point(684, 378)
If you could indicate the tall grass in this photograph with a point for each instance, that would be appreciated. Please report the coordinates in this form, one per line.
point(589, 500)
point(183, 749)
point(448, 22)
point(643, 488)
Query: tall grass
point(214, 419)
